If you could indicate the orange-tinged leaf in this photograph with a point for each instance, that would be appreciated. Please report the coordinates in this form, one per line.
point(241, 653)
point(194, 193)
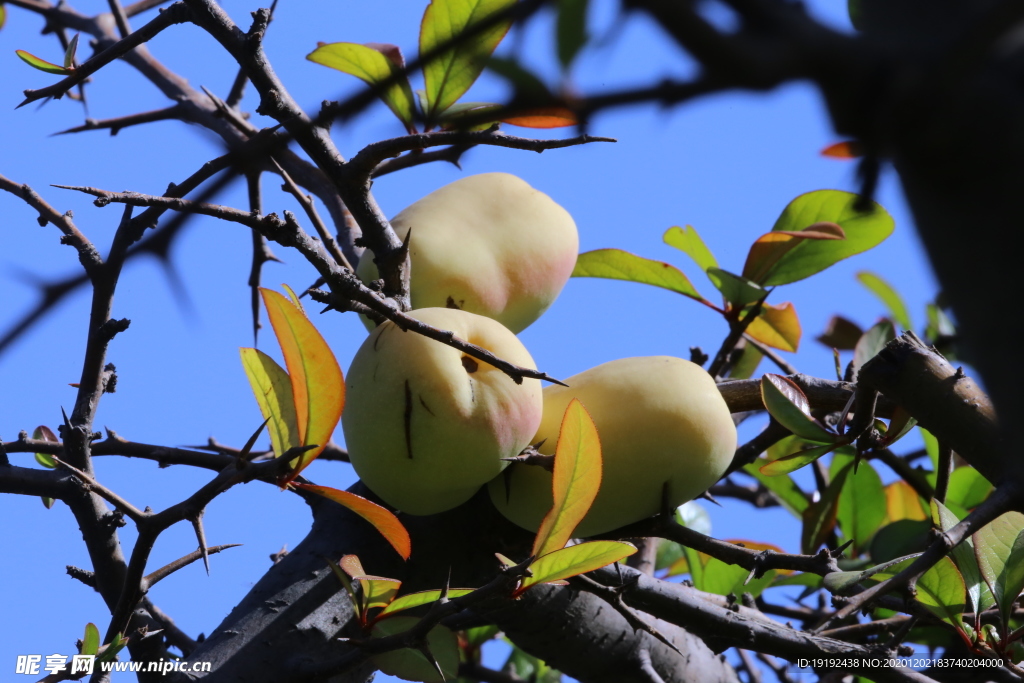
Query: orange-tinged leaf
point(273, 390)
point(383, 520)
point(575, 481)
point(351, 564)
point(318, 387)
point(378, 591)
point(777, 326)
point(42, 64)
point(422, 598)
point(902, 502)
point(847, 149)
point(577, 559)
point(769, 248)
point(294, 297)
point(543, 117)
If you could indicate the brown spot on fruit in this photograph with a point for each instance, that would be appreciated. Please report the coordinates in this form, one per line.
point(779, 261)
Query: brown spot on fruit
point(451, 304)
point(470, 364)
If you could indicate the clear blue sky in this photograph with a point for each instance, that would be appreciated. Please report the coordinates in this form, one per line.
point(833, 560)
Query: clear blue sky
point(726, 165)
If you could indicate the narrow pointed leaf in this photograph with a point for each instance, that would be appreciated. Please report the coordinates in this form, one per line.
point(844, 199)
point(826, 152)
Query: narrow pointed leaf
point(318, 387)
point(737, 290)
point(42, 64)
point(899, 426)
point(787, 403)
point(46, 434)
point(771, 249)
point(69, 54)
point(576, 559)
point(965, 559)
point(347, 583)
point(382, 519)
point(273, 390)
point(999, 548)
point(575, 481)
point(783, 487)
point(352, 566)
point(570, 30)
point(746, 365)
point(542, 117)
point(3, 15)
point(777, 326)
point(452, 72)
point(410, 664)
point(848, 149)
point(794, 461)
point(888, 295)
point(422, 598)
point(91, 641)
point(373, 67)
point(615, 264)
point(861, 508)
point(863, 231)
point(820, 517)
point(689, 242)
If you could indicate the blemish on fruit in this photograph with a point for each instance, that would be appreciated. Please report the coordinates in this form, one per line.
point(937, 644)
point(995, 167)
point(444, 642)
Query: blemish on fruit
point(424, 404)
point(470, 364)
point(408, 419)
point(451, 304)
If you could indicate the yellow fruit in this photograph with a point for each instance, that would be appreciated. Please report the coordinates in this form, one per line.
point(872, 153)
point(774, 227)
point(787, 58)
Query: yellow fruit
point(661, 421)
point(425, 424)
point(488, 244)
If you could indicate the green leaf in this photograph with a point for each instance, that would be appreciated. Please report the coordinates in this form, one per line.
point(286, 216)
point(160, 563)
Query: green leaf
point(861, 506)
point(42, 64)
point(69, 54)
point(967, 487)
point(44, 433)
point(777, 326)
point(931, 447)
point(888, 295)
point(689, 242)
point(576, 559)
point(372, 66)
point(794, 461)
point(481, 634)
point(570, 30)
point(788, 404)
point(747, 364)
point(820, 516)
point(347, 583)
point(789, 495)
point(728, 579)
point(900, 538)
point(899, 426)
point(47, 502)
point(863, 231)
point(737, 290)
point(91, 640)
point(999, 548)
point(615, 264)
point(109, 652)
point(965, 559)
point(771, 249)
point(574, 482)
point(421, 598)
point(941, 589)
point(451, 73)
point(3, 15)
point(871, 343)
point(378, 592)
point(410, 664)
point(273, 390)
point(526, 667)
point(527, 86)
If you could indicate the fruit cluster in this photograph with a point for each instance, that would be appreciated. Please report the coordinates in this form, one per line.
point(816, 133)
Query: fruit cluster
point(427, 426)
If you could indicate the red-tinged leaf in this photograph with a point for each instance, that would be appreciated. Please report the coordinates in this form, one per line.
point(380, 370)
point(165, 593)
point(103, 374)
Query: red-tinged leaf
point(273, 390)
point(777, 326)
point(848, 149)
point(422, 598)
point(382, 519)
point(45, 459)
point(392, 52)
point(347, 583)
point(318, 387)
point(577, 559)
point(788, 404)
point(794, 461)
point(543, 117)
point(352, 565)
point(42, 64)
point(902, 502)
point(770, 248)
point(615, 264)
point(575, 481)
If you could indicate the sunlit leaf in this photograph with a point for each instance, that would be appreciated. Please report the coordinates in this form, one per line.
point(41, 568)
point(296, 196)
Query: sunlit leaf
point(479, 635)
point(576, 559)
point(737, 290)
point(378, 591)
point(69, 54)
point(347, 583)
point(819, 519)
point(902, 502)
point(941, 589)
point(670, 554)
point(861, 508)
point(372, 66)
point(967, 487)
point(777, 326)
point(872, 342)
point(410, 664)
point(615, 264)
point(273, 390)
point(848, 149)
point(999, 548)
point(794, 461)
point(900, 538)
point(3, 15)
point(42, 64)
point(728, 579)
point(91, 640)
point(788, 404)
point(108, 652)
point(44, 433)
point(965, 559)
point(863, 231)
point(771, 249)
point(785, 490)
point(383, 520)
point(689, 242)
point(570, 30)
point(422, 598)
point(542, 117)
point(888, 295)
point(318, 387)
point(575, 481)
point(450, 74)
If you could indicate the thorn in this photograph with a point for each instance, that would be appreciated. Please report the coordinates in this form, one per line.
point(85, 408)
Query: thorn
point(708, 497)
point(425, 651)
point(197, 524)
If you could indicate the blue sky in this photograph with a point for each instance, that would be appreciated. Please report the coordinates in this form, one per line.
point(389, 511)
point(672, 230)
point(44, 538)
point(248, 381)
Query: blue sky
point(726, 165)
